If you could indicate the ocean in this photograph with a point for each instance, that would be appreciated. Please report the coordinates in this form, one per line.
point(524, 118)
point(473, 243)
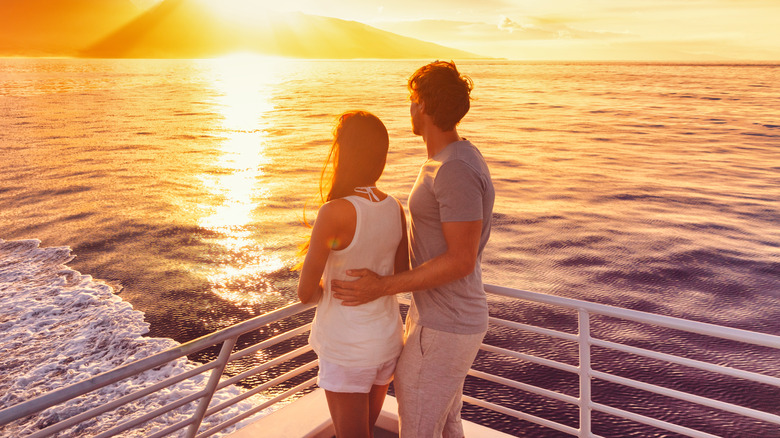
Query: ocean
point(180, 187)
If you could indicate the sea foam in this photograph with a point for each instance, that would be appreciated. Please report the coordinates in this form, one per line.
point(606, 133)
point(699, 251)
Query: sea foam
point(59, 327)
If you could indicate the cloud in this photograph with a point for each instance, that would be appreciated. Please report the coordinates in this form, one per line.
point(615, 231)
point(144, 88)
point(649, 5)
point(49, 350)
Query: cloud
point(508, 25)
point(547, 28)
point(506, 29)
point(641, 30)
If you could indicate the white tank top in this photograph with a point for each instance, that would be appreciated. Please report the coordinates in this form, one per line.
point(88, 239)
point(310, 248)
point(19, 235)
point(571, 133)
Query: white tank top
point(369, 334)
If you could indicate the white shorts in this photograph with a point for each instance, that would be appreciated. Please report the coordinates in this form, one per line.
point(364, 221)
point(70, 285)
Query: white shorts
point(339, 378)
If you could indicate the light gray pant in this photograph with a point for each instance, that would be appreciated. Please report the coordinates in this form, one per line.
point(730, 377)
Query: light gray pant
point(429, 380)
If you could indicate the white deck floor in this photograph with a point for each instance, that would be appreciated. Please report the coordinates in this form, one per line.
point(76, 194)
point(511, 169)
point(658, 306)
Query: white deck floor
point(308, 417)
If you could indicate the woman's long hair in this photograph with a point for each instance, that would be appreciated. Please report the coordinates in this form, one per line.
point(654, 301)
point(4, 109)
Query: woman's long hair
point(356, 158)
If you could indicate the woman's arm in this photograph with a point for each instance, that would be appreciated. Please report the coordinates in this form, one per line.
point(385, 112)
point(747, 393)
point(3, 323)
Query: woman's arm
point(331, 231)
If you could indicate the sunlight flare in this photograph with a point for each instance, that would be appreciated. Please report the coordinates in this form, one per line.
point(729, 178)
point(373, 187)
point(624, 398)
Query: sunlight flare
point(244, 85)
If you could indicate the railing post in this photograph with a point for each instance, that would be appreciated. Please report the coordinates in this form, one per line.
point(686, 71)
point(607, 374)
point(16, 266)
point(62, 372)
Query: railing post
point(211, 386)
point(585, 372)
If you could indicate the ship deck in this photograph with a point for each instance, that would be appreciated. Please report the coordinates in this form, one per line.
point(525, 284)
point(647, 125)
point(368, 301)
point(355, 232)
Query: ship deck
point(308, 417)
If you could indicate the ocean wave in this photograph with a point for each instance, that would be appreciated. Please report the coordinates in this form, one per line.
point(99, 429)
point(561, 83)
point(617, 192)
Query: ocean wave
point(59, 327)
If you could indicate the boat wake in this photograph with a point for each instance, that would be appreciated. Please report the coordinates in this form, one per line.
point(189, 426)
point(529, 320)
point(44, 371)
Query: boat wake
point(59, 327)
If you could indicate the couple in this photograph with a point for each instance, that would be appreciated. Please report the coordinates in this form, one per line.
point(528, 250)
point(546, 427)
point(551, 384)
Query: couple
point(358, 258)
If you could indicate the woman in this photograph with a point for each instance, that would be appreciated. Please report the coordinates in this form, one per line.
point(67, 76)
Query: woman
point(358, 226)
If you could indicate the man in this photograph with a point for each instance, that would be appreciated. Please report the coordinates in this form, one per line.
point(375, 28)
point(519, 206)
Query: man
point(450, 206)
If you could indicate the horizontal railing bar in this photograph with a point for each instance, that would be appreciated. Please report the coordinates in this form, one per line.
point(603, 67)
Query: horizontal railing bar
point(730, 333)
point(80, 388)
point(252, 324)
point(62, 425)
point(283, 378)
point(524, 386)
point(94, 412)
point(270, 364)
point(535, 359)
point(534, 329)
point(620, 413)
point(270, 342)
point(259, 408)
point(706, 366)
point(155, 413)
point(521, 415)
point(699, 400)
point(173, 428)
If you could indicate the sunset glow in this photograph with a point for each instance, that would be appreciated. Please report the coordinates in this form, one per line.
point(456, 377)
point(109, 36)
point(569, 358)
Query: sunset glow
point(242, 85)
point(705, 30)
point(247, 12)
point(162, 175)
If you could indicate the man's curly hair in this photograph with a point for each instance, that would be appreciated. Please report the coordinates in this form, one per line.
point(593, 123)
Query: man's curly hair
point(444, 91)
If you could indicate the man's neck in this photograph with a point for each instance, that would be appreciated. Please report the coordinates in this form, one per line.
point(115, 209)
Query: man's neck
point(436, 140)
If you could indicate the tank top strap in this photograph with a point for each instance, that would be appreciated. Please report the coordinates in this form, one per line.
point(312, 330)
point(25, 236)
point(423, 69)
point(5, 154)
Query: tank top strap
point(368, 190)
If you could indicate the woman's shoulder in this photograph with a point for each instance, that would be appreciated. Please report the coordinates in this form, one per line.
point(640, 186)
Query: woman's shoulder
point(336, 210)
point(336, 206)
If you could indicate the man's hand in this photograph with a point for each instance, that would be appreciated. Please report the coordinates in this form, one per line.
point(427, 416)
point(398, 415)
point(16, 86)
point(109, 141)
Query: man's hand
point(365, 289)
point(455, 263)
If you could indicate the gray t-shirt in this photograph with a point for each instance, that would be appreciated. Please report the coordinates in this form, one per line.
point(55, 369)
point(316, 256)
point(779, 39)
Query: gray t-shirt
point(453, 186)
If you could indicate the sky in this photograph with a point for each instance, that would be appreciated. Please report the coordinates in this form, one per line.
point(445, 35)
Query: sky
point(677, 30)
point(543, 30)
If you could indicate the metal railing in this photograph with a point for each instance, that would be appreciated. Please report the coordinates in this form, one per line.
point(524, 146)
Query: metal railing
point(227, 338)
point(586, 373)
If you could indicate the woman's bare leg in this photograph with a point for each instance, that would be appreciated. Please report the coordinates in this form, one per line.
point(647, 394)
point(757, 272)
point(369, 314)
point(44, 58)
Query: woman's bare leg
point(376, 398)
point(349, 411)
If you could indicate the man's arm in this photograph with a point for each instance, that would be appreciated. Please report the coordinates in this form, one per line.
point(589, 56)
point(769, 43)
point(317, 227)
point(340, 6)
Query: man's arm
point(402, 252)
point(456, 262)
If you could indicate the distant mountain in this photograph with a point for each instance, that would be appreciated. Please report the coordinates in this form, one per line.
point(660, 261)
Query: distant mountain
point(59, 27)
point(189, 29)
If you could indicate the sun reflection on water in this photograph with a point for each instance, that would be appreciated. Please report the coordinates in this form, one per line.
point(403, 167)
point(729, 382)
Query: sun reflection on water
point(243, 87)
